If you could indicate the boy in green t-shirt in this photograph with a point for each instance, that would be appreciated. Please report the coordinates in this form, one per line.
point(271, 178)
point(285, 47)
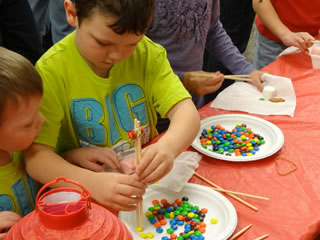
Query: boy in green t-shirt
point(97, 80)
point(20, 122)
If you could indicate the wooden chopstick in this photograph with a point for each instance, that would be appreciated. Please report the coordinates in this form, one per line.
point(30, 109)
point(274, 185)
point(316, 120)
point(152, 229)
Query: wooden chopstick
point(241, 76)
point(234, 236)
point(262, 237)
point(230, 194)
point(240, 193)
point(246, 78)
point(137, 129)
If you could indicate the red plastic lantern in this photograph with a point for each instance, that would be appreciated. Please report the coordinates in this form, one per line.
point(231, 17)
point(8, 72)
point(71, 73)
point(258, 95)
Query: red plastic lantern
point(68, 213)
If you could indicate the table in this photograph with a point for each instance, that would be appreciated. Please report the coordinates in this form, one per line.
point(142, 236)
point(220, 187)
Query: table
point(293, 209)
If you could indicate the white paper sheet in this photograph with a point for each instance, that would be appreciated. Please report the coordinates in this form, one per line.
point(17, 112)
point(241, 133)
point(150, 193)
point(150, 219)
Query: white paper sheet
point(243, 96)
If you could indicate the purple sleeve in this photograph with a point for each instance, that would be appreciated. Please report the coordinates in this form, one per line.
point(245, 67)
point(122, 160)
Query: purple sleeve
point(219, 45)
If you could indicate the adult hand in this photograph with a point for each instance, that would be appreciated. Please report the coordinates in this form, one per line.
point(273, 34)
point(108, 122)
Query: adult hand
point(7, 220)
point(202, 83)
point(116, 190)
point(301, 40)
point(256, 79)
point(93, 157)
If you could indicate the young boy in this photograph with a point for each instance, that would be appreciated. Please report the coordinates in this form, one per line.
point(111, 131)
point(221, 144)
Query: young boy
point(20, 122)
point(97, 80)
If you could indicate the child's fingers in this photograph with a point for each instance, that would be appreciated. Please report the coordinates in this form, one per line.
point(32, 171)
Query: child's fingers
point(157, 174)
point(8, 219)
point(93, 166)
point(2, 235)
point(111, 157)
point(146, 159)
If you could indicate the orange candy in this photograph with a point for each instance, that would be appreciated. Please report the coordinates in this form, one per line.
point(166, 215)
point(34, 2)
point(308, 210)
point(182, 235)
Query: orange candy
point(204, 210)
point(157, 224)
point(202, 224)
point(154, 202)
point(173, 236)
point(180, 217)
point(163, 222)
point(164, 201)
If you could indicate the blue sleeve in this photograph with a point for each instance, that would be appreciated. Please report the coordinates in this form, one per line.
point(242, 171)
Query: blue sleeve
point(219, 45)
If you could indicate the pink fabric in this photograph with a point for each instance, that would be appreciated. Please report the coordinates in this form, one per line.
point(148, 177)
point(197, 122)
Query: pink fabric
point(293, 209)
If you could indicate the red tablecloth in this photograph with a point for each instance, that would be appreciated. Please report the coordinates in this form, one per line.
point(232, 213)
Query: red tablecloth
point(293, 209)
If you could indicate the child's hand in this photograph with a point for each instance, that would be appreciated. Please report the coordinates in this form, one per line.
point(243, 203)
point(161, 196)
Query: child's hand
point(301, 40)
point(156, 162)
point(202, 83)
point(7, 220)
point(116, 190)
point(93, 157)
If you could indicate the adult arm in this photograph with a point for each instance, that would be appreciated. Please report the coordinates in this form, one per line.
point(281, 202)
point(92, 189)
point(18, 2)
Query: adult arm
point(220, 45)
point(268, 15)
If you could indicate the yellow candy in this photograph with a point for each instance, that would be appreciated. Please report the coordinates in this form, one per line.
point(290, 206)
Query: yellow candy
point(191, 215)
point(143, 235)
point(150, 235)
point(249, 154)
point(148, 213)
point(214, 220)
point(157, 208)
point(139, 229)
point(191, 232)
point(171, 215)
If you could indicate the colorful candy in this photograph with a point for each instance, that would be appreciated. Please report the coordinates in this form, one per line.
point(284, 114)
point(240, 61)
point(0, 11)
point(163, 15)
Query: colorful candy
point(241, 141)
point(178, 213)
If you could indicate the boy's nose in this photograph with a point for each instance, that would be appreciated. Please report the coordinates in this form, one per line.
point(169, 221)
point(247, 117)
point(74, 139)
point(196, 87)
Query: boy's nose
point(41, 120)
point(115, 56)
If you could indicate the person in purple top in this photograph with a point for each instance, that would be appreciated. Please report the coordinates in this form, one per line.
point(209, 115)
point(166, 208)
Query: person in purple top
point(186, 28)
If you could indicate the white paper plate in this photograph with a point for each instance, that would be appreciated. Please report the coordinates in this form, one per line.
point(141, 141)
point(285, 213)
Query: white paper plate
point(218, 207)
point(273, 136)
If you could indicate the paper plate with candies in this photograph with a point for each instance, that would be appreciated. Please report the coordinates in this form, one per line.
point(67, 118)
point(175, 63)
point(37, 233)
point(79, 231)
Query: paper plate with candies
point(196, 210)
point(238, 138)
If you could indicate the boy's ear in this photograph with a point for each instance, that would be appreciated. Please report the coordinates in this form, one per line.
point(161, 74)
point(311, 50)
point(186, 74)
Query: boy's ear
point(70, 13)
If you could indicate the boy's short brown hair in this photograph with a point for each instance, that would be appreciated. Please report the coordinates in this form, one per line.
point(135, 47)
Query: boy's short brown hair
point(18, 78)
point(134, 16)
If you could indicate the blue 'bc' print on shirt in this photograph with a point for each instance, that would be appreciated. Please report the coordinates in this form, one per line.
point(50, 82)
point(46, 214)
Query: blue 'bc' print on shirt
point(126, 103)
point(21, 195)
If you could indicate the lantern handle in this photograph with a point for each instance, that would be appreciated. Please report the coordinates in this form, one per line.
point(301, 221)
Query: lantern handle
point(85, 192)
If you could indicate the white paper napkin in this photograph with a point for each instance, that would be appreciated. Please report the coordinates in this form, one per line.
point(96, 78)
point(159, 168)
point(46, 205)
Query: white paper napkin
point(183, 169)
point(314, 52)
point(243, 96)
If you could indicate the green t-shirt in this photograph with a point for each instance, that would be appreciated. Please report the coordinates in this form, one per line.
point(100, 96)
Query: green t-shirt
point(17, 190)
point(81, 108)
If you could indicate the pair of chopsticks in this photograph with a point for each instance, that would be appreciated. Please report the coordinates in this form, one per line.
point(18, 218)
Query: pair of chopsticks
point(232, 193)
point(234, 236)
point(246, 78)
point(137, 129)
